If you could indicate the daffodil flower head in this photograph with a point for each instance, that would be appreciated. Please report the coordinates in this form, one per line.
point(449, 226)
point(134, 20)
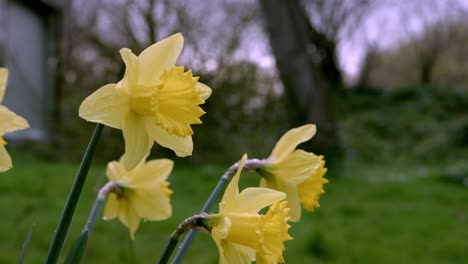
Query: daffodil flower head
point(155, 101)
point(294, 171)
point(9, 122)
point(142, 192)
point(243, 235)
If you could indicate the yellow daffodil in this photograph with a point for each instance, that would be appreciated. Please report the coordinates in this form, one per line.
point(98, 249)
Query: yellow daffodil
point(9, 122)
point(142, 192)
point(240, 233)
point(294, 171)
point(155, 101)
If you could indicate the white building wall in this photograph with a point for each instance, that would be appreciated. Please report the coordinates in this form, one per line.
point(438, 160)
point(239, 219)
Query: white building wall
point(25, 53)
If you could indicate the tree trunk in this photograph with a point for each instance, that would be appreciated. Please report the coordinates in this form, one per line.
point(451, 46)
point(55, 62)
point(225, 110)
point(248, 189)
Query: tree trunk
point(305, 86)
point(426, 68)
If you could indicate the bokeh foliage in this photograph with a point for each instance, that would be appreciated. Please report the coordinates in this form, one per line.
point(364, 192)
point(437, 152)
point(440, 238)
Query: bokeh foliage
point(414, 122)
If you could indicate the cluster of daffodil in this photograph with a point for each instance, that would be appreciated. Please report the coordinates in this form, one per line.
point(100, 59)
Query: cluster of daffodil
point(157, 101)
point(289, 177)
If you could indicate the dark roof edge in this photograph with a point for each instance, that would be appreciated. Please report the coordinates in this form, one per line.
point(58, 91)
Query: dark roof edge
point(42, 7)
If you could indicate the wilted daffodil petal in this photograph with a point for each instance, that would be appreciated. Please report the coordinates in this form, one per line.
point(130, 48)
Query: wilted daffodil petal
point(240, 233)
point(296, 172)
point(142, 192)
point(155, 101)
point(9, 122)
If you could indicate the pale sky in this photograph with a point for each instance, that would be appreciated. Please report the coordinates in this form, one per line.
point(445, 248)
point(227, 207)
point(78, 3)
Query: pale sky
point(384, 27)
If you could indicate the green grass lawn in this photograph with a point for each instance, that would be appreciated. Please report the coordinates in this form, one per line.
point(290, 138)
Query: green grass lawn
point(378, 213)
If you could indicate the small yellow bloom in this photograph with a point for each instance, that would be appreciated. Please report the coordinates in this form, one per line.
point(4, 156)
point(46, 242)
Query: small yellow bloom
point(142, 192)
point(9, 122)
point(155, 101)
point(240, 233)
point(294, 171)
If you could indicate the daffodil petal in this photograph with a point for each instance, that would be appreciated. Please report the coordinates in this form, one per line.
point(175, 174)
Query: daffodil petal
point(106, 106)
point(152, 173)
point(151, 204)
point(115, 171)
point(217, 240)
point(203, 87)
point(219, 232)
point(11, 121)
point(234, 253)
point(129, 217)
point(182, 146)
point(146, 181)
point(251, 200)
point(296, 167)
point(292, 195)
point(232, 190)
point(223, 226)
point(263, 183)
point(289, 141)
point(111, 210)
point(249, 251)
point(131, 71)
point(5, 160)
point(137, 141)
point(266, 259)
point(159, 57)
point(293, 202)
point(3, 82)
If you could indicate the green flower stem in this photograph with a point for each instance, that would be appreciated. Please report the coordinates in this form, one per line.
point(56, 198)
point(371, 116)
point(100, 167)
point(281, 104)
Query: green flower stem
point(67, 214)
point(78, 249)
point(26, 243)
point(193, 222)
point(101, 198)
point(250, 164)
point(171, 244)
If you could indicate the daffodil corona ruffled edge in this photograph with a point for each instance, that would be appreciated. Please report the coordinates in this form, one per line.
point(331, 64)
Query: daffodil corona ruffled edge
point(298, 173)
point(240, 233)
point(142, 192)
point(311, 189)
point(9, 122)
point(155, 101)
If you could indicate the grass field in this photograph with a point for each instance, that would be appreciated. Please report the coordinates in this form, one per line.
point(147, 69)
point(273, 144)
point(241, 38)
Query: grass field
point(371, 213)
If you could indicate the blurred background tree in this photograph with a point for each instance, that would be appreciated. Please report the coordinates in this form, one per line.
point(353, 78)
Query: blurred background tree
point(305, 37)
point(427, 39)
point(437, 56)
point(324, 57)
point(245, 95)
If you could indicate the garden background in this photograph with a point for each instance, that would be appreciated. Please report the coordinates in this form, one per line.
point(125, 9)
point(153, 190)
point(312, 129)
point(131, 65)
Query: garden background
point(385, 81)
